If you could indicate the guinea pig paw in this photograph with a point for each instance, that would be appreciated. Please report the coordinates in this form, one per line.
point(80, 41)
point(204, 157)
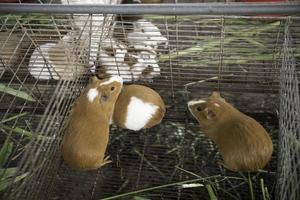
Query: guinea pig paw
point(106, 161)
point(221, 163)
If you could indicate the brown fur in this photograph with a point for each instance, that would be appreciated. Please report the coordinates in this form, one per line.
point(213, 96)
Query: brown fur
point(243, 143)
point(144, 93)
point(10, 49)
point(67, 63)
point(87, 131)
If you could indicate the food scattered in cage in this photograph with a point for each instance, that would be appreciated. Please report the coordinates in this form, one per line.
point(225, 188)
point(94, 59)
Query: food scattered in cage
point(57, 68)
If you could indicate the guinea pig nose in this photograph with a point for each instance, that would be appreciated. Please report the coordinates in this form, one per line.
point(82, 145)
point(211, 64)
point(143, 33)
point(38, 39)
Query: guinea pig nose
point(104, 98)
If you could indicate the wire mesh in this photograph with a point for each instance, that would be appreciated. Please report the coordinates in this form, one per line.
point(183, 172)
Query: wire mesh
point(289, 163)
point(181, 57)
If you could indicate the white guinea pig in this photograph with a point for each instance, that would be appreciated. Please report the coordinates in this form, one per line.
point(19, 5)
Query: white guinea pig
point(138, 107)
point(145, 36)
point(96, 24)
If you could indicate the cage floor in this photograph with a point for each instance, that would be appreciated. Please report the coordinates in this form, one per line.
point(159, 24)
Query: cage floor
point(172, 152)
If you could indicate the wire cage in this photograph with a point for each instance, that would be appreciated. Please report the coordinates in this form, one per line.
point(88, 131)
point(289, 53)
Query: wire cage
point(47, 59)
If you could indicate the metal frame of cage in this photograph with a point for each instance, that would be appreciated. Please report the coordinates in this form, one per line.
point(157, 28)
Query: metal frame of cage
point(286, 188)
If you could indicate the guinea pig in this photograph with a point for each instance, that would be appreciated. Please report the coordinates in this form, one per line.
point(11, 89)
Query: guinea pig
point(243, 143)
point(87, 129)
point(143, 65)
point(138, 107)
point(97, 24)
point(130, 64)
point(10, 50)
point(145, 35)
point(112, 60)
point(57, 60)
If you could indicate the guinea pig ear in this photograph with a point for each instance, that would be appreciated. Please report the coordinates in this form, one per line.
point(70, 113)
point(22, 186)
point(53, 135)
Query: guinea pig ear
point(209, 113)
point(215, 95)
point(93, 79)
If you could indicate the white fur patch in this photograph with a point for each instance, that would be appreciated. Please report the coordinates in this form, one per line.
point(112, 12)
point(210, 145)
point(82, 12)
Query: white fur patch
point(39, 66)
point(112, 79)
point(190, 103)
point(145, 34)
point(216, 104)
point(139, 113)
point(92, 93)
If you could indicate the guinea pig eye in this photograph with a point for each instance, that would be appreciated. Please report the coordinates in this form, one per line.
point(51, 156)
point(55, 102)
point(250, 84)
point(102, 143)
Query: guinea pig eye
point(199, 108)
point(112, 88)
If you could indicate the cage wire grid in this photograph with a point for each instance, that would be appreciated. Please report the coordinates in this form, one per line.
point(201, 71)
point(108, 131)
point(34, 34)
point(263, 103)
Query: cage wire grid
point(240, 56)
point(289, 131)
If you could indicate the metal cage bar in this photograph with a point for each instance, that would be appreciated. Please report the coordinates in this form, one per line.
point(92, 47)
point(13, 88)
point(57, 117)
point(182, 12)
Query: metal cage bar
point(166, 9)
point(198, 50)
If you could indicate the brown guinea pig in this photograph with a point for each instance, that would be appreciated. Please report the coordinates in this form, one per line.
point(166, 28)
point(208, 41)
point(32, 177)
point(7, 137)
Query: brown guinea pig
point(138, 107)
point(87, 130)
point(243, 143)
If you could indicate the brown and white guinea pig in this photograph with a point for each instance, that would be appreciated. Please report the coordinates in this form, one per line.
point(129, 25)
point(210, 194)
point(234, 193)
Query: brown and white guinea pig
point(10, 50)
point(138, 107)
point(60, 60)
point(87, 130)
point(243, 143)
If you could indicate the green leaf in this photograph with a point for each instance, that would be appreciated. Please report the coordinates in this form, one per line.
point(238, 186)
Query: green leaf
point(5, 151)
point(16, 93)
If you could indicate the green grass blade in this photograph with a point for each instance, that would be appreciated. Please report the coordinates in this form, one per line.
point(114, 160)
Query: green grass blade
point(6, 182)
point(140, 198)
point(18, 178)
point(7, 172)
point(5, 151)
point(27, 134)
point(14, 117)
point(250, 187)
point(211, 192)
point(157, 187)
point(180, 53)
point(16, 93)
point(17, 130)
point(263, 188)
